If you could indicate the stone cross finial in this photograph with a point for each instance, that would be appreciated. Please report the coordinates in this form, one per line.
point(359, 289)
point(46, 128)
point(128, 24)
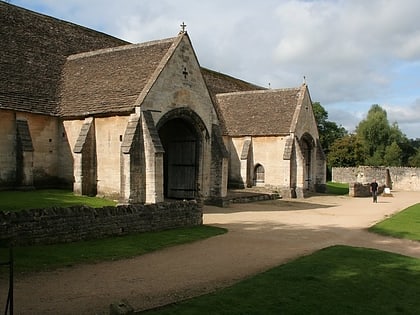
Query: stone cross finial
point(183, 27)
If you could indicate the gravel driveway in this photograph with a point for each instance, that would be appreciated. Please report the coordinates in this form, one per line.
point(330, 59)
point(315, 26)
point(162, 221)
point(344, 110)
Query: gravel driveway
point(261, 235)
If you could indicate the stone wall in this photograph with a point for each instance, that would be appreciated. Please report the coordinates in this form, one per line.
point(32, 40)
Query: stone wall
point(7, 149)
point(396, 178)
point(363, 190)
point(61, 225)
point(48, 146)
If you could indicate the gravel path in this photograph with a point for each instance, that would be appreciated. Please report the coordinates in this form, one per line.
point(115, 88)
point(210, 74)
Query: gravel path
point(261, 235)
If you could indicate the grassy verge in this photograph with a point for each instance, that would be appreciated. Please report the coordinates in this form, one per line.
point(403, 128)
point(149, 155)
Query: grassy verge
point(405, 224)
point(334, 188)
point(336, 280)
point(45, 198)
point(47, 257)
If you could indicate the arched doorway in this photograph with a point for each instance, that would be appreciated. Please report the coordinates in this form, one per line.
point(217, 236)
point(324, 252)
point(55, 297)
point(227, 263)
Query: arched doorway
point(181, 143)
point(259, 175)
point(307, 147)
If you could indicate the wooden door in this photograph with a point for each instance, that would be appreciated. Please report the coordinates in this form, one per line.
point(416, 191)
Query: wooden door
point(182, 167)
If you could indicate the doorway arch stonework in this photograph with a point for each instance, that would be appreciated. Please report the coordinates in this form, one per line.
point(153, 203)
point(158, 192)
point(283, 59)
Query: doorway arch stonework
point(183, 136)
point(307, 149)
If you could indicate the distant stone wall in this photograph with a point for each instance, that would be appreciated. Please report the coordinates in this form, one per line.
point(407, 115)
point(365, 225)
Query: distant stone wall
point(396, 178)
point(363, 190)
point(61, 225)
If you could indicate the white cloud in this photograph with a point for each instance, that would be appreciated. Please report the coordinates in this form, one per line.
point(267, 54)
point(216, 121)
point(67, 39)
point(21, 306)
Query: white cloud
point(404, 114)
point(347, 43)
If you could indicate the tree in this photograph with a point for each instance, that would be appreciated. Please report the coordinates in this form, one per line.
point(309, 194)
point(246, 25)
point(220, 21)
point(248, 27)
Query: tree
point(346, 151)
point(414, 160)
point(328, 131)
point(375, 133)
point(393, 155)
point(383, 140)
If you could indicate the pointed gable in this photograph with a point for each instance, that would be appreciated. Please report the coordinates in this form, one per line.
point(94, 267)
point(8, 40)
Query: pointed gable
point(110, 80)
point(34, 48)
point(259, 113)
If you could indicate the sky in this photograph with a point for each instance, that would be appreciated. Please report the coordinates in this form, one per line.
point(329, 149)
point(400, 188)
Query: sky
point(351, 53)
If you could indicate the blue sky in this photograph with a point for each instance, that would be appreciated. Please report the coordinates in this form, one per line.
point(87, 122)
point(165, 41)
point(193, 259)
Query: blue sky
point(353, 53)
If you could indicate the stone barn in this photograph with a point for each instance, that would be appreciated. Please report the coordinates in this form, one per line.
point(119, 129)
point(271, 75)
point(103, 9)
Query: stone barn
point(142, 122)
point(273, 140)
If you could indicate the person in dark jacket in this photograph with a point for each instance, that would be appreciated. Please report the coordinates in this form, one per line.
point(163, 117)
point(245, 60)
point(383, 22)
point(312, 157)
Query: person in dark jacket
point(374, 190)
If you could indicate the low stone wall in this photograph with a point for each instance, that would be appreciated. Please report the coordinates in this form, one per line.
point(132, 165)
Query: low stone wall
point(396, 178)
point(61, 225)
point(363, 190)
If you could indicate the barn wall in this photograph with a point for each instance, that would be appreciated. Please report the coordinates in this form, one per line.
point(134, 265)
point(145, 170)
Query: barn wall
point(7, 149)
point(109, 135)
point(268, 151)
point(235, 145)
point(51, 160)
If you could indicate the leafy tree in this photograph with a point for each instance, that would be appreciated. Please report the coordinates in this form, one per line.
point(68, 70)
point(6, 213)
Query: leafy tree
point(415, 143)
point(393, 155)
point(328, 131)
point(347, 151)
point(395, 134)
point(376, 142)
point(375, 132)
point(383, 140)
point(414, 160)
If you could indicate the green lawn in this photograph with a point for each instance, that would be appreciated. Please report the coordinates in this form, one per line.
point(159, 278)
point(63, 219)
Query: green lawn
point(334, 188)
point(335, 280)
point(405, 224)
point(45, 198)
point(48, 257)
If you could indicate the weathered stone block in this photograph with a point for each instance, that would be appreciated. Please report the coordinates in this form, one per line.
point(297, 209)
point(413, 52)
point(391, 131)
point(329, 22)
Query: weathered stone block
point(121, 308)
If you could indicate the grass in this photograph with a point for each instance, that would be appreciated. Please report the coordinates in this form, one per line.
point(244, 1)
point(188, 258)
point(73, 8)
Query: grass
point(335, 280)
point(48, 257)
point(334, 188)
point(45, 198)
point(405, 224)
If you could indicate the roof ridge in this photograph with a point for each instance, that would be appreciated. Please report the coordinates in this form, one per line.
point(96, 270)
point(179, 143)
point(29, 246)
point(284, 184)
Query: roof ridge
point(260, 91)
point(228, 76)
point(19, 8)
point(120, 48)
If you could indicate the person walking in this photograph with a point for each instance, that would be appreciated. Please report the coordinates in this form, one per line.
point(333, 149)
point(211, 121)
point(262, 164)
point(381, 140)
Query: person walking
point(374, 190)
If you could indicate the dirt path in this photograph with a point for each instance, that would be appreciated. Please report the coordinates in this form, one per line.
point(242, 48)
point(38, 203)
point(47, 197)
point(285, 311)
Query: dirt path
point(261, 235)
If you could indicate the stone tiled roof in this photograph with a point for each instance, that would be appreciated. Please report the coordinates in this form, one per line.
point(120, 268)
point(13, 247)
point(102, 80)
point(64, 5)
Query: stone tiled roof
point(221, 83)
point(34, 48)
point(54, 67)
point(264, 113)
point(109, 80)
point(218, 83)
